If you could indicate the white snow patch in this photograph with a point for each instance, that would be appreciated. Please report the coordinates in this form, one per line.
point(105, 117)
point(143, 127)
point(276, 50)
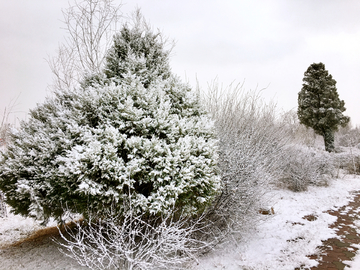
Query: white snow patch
point(13, 228)
point(283, 240)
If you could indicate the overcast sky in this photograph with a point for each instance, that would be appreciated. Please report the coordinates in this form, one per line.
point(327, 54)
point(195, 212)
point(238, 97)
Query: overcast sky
point(266, 43)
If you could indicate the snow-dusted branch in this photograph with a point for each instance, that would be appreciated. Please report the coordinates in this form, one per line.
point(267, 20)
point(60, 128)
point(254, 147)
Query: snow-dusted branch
point(90, 25)
point(134, 241)
point(3, 210)
point(4, 121)
point(303, 166)
point(250, 144)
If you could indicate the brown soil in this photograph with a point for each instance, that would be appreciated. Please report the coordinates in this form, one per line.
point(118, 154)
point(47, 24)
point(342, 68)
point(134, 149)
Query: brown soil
point(336, 251)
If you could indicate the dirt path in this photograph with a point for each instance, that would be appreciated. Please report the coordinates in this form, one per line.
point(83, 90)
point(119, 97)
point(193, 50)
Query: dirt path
point(336, 251)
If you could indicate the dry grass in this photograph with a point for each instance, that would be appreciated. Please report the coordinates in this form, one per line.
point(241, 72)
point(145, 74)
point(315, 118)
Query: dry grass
point(44, 234)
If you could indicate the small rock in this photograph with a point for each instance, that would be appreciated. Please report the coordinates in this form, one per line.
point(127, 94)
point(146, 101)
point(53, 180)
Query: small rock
point(267, 211)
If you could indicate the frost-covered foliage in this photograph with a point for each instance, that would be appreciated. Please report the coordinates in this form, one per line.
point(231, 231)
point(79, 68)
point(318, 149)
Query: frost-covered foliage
point(298, 133)
point(353, 164)
point(5, 125)
point(138, 50)
point(348, 149)
point(319, 105)
point(130, 242)
point(4, 128)
point(89, 147)
point(348, 159)
point(4, 132)
point(303, 166)
point(3, 210)
point(250, 143)
point(85, 149)
point(348, 136)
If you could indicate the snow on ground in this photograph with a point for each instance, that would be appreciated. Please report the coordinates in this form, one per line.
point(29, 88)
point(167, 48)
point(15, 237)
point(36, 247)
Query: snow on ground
point(30, 255)
point(280, 241)
point(355, 263)
point(14, 228)
point(283, 240)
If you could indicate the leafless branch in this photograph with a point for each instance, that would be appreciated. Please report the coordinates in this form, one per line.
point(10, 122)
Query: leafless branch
point(250, 147)
point(135, 242)
point(90, 25)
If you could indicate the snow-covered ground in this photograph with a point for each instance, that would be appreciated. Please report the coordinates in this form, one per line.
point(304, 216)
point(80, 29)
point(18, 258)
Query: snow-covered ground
point(279, 241)
point(283, 240)
point(31, 255)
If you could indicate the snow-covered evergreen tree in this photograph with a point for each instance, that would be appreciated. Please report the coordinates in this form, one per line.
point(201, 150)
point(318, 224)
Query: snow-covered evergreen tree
point(139, 52)
point(137, 133)
point(319, 104)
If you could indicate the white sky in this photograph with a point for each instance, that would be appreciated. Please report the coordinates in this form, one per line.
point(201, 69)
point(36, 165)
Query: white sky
point(266, 43)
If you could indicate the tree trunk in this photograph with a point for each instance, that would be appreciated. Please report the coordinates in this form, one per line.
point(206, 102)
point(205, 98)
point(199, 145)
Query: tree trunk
point(329, 140)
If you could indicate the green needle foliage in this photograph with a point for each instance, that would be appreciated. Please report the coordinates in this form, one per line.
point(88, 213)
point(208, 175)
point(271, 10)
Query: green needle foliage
point(134, 133)
point(319, 105)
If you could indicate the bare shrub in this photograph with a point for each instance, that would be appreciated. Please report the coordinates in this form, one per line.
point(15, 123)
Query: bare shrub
point(348, 159)
point(250, 143)
point(90, 26)
point(134, 242)
point(304, 166)
point(353, 165)
point(348, 154)
point(348, 136)
point(298, 133)
point(4, 122)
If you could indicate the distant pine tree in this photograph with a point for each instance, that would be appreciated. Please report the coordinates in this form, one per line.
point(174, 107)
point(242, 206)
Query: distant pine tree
point(135, 132)
point(319, 105)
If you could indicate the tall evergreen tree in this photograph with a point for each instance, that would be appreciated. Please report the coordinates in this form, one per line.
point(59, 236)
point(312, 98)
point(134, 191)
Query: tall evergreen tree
point(319, 105)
